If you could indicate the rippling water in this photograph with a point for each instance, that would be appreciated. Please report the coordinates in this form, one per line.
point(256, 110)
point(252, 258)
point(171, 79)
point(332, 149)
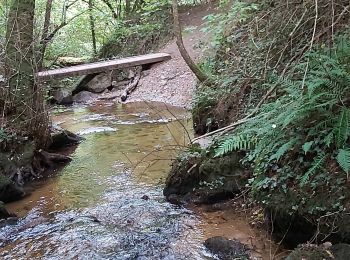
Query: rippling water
point(107, 203)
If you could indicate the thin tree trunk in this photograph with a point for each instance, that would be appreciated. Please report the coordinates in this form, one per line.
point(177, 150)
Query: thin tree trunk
point(202, 77)
point(92, 27)
point(127, 8)
point(45, 34)
point(119, 8)
point(111, 8)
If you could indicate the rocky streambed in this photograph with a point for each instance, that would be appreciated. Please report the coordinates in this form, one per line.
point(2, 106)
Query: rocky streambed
point(108, 202)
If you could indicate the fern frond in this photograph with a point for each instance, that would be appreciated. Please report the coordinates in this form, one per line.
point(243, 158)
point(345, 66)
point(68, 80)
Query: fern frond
point(240, 142)
point(343, 159)
point(283, 149)
point(342, 128)
point(317, 164)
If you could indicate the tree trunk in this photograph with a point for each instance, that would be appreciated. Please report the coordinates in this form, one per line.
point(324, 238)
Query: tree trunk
point(127, 8)
point(201, 76)
point(92, 27)
point(24, 95)
point(45, 34)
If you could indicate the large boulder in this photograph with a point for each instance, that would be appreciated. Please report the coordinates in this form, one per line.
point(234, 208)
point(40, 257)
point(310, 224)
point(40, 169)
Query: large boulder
point(202, 179)
point(61, 97)
point(227, 249)
point(99, 83)
point(293, 229)
point(84, 97)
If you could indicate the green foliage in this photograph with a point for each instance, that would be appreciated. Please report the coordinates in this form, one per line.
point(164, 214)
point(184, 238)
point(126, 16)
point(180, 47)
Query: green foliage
point(343, 158)
point(202, 112)
point(123, 33)
point(218, 24)
point(303, 133)
point(4, 136)
point(151, 27)
point(238, 142)
point(213, 184)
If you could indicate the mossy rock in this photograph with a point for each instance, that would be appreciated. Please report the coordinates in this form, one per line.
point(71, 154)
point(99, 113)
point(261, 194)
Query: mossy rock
point(10, 162)
point(310, 252)
point(9, 191)
point(205, 178)
point(4, 214)
point(341, 251)
point(21, 156)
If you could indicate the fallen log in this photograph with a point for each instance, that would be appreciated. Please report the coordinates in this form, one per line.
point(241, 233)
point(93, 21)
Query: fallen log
point(132, 85)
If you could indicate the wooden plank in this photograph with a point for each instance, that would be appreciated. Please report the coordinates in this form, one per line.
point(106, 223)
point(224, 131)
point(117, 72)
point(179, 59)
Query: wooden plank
point(98, 67)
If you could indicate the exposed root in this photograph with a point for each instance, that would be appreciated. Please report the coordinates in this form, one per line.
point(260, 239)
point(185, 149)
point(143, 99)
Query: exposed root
point(52, 159)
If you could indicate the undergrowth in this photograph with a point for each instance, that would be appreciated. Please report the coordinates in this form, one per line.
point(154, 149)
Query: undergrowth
point(300, 141)
point(141, 35)
point(256, 39)
point(284, 68)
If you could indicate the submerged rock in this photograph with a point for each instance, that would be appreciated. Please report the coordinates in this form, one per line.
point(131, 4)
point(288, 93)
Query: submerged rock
point(200, 179)
point(227, 249)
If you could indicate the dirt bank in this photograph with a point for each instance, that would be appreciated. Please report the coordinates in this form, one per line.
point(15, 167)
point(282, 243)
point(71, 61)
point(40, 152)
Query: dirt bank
point(172, 82)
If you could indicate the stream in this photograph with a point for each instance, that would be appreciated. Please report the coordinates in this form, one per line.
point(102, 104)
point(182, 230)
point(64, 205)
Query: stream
point(108, 203)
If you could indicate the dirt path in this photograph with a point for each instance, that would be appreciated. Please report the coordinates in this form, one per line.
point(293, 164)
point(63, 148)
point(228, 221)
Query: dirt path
point(173, 82)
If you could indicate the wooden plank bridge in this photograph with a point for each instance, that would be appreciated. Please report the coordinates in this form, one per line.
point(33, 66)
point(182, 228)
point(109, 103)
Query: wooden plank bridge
point(102, 66)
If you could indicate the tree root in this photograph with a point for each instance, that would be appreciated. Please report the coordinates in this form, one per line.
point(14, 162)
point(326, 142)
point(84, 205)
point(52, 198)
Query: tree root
point(52, 159)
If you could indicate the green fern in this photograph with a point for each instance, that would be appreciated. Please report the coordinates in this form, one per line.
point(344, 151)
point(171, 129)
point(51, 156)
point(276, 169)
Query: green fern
point(240, 142)
point(342, 128)
point(316, 165)
point(283, 149)
point(343, 159)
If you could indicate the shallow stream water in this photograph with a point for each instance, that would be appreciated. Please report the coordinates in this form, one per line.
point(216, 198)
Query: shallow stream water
point(107, 203)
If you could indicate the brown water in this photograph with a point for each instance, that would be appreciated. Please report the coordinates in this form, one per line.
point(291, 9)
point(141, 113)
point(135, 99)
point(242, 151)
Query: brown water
point(95, 207)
